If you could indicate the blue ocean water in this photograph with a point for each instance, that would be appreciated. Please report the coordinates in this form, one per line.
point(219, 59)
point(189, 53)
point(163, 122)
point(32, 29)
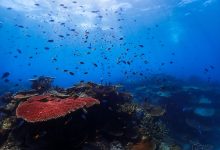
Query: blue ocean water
point(111, 42)
point(183, 32)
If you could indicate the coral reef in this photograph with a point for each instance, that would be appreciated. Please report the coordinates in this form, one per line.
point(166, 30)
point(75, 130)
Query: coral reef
point(57, 118)
point(41, 83)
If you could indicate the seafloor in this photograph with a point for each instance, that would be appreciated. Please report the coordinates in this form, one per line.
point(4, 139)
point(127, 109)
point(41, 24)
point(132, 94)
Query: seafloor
point(160, 113)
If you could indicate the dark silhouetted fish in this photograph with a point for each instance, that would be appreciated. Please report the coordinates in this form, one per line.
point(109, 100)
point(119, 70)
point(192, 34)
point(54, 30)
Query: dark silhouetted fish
point(46, 48)
point(141, 46)
point(71, 73)
point(20, 26)
point(5, 75)
point(95, 11)
point(95, 64)
point(212, 67)
point(19, 51)
point(50, 41)
point(6, 80)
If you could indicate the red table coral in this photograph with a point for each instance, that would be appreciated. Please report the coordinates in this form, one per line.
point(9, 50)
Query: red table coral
point(45, 107)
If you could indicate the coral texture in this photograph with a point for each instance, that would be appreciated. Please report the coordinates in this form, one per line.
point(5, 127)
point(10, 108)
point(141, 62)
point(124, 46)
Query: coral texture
point(45, 107)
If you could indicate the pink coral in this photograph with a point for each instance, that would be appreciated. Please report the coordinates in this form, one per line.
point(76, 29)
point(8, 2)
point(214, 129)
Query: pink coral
point(45, 107)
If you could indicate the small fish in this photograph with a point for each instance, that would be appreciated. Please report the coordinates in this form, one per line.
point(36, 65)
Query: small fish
point(68, 120)
point(95, 11)
point(85, 72)
point(83, 116)
point(121, 38)
point(141, 46)
point(54, 59)
point(82, 62)
point(6, 80)
point(95, 64)
point(85, 111)
point(212, 67)
point(20, 26)
point(39, 135)
point(46, 48)
point(19, 51)
point(5, 75)
point(146, 62)
point(1, 24)
point(71, 73)
point(65, 70)
point(50, 41)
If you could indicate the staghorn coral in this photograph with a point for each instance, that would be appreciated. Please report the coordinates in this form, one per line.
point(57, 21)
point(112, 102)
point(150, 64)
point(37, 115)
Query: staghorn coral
point(153, 128)
point(129, 108)
point(148, 114)
point(41, 83)
point(149, 125)
point(148, 110)
point(157, 111)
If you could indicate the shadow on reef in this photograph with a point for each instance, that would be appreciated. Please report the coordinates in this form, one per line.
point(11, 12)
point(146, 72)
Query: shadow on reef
point(86, 116)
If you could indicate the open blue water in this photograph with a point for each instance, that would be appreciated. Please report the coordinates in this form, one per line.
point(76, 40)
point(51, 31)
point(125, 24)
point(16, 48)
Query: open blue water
point(110, 42)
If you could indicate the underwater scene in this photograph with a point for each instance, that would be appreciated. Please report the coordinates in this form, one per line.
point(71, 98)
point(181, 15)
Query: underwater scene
point(109, 75)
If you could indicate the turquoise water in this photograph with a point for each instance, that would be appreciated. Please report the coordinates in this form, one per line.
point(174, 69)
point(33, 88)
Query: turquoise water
point(125, 42)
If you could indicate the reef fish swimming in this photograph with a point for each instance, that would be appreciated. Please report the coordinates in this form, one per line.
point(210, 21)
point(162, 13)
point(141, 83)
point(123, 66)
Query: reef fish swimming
point(5, 75)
